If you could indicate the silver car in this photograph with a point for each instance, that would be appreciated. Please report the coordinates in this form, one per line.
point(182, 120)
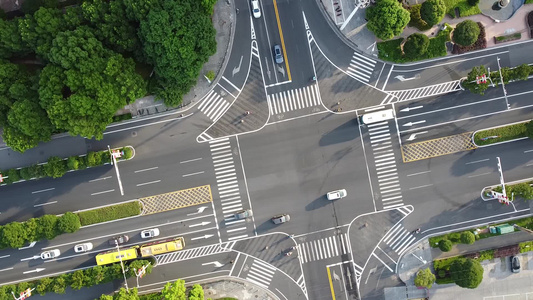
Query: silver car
point(281, 219)
point(50, 254)
point(278, 57)
point(337, 194)
point(83, 247)
point(243, 214)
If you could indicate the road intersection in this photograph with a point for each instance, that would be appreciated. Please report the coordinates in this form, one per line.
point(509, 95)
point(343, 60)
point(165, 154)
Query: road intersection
point(269, 138)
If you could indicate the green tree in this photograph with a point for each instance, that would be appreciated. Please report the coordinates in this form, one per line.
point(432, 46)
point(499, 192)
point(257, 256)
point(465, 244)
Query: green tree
point(31, 120)
point(77, 280)
point(174, 291)
point(466, 272)
point(471, 84)
point(47, 226)
point(56, 167)
point(424, 278)
point(387, 19)
point(468, 238)
point(137, 265)
point(416, 45)
point(69, 222)
point(32, 229)
point(522, 72)
point(73, 163)
point(529, 129)
point(13, 175)
point(31, 6)
point(445, 245)
point(10, 41)
point(125, 295)
point(60, 284)
point(95, 275)
point(13, 235)
point(432, 11)
point(44, 286)
point(473, 2)
point(106, 297)
point(466, 33)
point(137, 10)
point(208, 6)
point(177, 39)
point(196, 292)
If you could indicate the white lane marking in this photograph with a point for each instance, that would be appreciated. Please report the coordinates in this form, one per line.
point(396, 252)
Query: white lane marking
point(477, 161)
point(50, 189)
point(143, 170)
point(5, 256)
point(6, 269)
point(103, 192)
point(98, 179)
point(529, 165)
point(472, 176)
point(43, 204)
point(419, 187)
point(528, 151)
point(190, 160)
point(419, 173)
point(150, 182)
point(191, 174)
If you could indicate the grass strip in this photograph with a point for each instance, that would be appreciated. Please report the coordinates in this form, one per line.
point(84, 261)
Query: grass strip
point(109, 213)
point(465, 9)
point(500, 134)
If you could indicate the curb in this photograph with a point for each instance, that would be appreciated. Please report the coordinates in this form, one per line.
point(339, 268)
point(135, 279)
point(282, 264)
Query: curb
point(502, 142)
point(496, 185)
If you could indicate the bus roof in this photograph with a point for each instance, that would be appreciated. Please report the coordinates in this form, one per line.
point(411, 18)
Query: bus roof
point(113, 256)
point(163, 247)
point(377, 116)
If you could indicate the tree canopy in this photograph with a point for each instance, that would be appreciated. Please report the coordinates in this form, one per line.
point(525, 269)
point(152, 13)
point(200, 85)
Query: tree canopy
point(387, 19)
point(466, 272)
point(432, 11)
point(416, 45)
point(466, 33)
point(425, 278)
point(471, 84)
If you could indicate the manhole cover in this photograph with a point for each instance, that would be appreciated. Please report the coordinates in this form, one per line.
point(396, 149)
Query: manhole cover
point(134, 133)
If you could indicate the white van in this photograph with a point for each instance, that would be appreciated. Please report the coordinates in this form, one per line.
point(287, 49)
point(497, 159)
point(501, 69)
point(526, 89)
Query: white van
point(377, 116)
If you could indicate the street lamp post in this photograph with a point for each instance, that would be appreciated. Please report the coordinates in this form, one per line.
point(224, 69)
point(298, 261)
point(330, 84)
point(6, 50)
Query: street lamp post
point(141, 272)
point(503, 84)
point(122, 266)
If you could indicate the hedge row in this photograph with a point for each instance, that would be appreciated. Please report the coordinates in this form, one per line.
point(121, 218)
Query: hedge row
point(109, 213)
point(502, 134)
point(57, 167)
point(520, 190)
point(76, 280)
point(464, 237)
point(17, 234)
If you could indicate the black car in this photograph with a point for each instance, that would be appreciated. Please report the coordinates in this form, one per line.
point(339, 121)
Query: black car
point(119, 240)
point(515, 264)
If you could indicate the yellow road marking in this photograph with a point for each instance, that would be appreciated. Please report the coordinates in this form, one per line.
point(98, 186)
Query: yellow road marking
point(331, 284)
point(176, 200)
point(282, 41)
point(437, 147)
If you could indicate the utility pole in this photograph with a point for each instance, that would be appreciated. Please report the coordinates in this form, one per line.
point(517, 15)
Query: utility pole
point(503, 84)
point(122, 266)
point(114, 162)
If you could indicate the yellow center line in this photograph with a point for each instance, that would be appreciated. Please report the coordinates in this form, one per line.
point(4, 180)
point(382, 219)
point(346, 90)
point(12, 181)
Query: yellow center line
point(331, 285)
point(282, 42)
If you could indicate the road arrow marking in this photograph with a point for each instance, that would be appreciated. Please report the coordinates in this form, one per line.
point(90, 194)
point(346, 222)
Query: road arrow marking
point(236, 69)
point(201, 224)
point(200, 210)
point(216, 263)
point(33, 271)
point(202, 237)
point(29, 246)
point(411, 108)
point(401, 78)
point(30, 258)
point(414, 123)
point(350, 278)
point(268, 68)
point(413, 136)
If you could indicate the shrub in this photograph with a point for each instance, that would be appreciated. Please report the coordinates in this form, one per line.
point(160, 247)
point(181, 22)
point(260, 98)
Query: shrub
point(13, 235)
point(473, 2)
point(529, 129)
point(32, 229)
point(441, 273)
point(48, 226)
point(424, 278)
point(13, 175)
point(416, 45)
point(128, 152)
point(94, 159)
point(55, 167)
point(73, 163)
point(445, 245)
point(416, 19)
point(210, 75)
point(109, 213)
point(432, 11)
point(25, 173)
point(466, 33)
point(466, 273)
point(68, 222)
point(468, 238)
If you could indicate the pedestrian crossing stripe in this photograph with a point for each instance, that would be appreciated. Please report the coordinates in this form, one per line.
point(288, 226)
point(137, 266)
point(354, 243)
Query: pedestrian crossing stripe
point(295, 99)
point(361, 67)
point(261, 273)
point(324, 248)
point(213, 105)
point(427, 91)
point(187, 254)
point(398, 239)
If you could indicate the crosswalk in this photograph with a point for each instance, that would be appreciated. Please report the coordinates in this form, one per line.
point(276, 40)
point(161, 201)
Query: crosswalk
point(385, 162)
point(172, 257)
point(323, 248)
point(228, 187)
point(427, 91)
point(398, 239)
point(261, 273)
point(361, 67)
point(290, 100)
point(213, 105)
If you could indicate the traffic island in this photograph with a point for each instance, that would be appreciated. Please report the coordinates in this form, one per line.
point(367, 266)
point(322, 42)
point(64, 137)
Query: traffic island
point(502, 134)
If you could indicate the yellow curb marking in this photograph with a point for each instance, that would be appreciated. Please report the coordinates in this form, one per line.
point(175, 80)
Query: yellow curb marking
point(437, 147)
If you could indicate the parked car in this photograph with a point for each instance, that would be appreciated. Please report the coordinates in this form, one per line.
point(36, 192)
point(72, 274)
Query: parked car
point(149, 233)
point(336, 194)
point(83, 247)
point(118, 240)
point(515, 264)
point(243, 214)
point(255, 9)
point(280, 219)
point(278, 57)
point(50, 254)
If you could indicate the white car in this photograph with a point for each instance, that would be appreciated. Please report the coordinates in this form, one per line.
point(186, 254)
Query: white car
point(255, 9)
point(149, 233)
point(79, 248)
point(336, 194)
point(50, 254)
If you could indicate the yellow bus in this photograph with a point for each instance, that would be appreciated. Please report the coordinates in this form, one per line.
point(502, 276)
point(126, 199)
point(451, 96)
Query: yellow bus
point(113, 256)
point(162, 247)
